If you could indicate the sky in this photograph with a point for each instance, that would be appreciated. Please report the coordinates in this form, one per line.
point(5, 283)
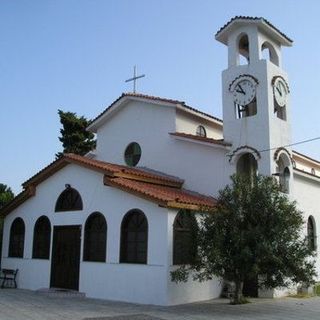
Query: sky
point(75, 55)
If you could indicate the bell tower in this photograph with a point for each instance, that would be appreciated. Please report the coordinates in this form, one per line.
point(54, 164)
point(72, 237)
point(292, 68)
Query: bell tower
point(256, 106)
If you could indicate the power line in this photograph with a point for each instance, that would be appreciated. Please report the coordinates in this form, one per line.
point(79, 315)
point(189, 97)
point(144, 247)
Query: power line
point(291, 144)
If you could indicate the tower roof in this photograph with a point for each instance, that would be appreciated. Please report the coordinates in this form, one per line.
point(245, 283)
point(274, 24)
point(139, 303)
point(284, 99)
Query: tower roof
point(263, 24)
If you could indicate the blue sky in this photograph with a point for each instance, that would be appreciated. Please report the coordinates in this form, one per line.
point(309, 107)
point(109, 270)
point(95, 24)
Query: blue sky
point(76, 54)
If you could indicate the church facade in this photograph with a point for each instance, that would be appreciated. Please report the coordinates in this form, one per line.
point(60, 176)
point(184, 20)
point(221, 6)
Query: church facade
point(114, 223)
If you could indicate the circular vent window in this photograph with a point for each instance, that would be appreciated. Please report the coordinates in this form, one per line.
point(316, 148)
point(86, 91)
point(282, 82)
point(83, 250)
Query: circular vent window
point(132, 154)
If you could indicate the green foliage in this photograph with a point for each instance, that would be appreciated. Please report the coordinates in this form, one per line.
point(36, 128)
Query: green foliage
point(317, 289)
point(74, 136)
point(254, 232)
point(6, 195)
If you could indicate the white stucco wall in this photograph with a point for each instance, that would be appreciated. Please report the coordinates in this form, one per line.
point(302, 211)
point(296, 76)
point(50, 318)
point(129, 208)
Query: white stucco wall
point(110, 280)
point(187, 123)
point(107, 280)
point(203, 167)
point(144, 123)
point(190, 291)
point(306, 193)
point(306, 164)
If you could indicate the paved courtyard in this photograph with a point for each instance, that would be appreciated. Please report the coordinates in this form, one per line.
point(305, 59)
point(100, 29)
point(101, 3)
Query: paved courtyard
point(24, 304)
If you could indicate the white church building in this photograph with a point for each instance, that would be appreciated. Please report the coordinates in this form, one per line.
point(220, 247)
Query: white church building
point(114, 223)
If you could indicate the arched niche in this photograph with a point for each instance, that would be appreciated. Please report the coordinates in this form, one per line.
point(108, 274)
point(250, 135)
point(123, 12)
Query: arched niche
point(247, 165)
point(268, 52)
point(312, 233)
point(243, 56)
point(69, 200)
point(237, 153)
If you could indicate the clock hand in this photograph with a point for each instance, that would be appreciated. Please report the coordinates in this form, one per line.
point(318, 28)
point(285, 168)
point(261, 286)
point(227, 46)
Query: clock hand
point(279, 90)
point(241, 90)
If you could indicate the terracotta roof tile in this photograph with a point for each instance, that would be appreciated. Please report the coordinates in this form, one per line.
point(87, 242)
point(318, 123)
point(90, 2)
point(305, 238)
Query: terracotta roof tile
point(163, 195)
point(145, 96)
point(199, 138)
point(155, 186)
point(104, 167)
point(253, 19)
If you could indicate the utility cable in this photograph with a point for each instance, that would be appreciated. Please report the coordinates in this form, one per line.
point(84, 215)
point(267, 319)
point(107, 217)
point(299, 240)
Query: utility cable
point(291, 144)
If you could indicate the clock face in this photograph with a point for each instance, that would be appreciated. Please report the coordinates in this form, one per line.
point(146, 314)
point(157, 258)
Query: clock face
point(244, 92)
point(280, 92)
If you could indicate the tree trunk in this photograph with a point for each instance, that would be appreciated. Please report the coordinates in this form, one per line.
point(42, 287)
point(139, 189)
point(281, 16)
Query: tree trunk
point(237, 296)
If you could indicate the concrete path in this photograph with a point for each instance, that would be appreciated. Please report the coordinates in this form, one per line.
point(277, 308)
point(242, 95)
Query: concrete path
point(25, 305)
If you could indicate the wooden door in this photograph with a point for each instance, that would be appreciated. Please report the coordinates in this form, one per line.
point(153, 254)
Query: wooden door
point(65, 261)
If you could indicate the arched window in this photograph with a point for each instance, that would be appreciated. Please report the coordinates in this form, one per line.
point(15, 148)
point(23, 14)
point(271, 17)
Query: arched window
point(41, 238)
point(16, 244)
point(201, 131)
point(95, 238)
point(69, 200)
point(284, 174)
point(247, 165)
point(312, 235)
point(184, 237)
point(134, 237)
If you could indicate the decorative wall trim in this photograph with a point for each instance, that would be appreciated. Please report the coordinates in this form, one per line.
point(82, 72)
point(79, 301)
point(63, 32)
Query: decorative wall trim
point(278, 152)
point(242, 76)
point(241, 150)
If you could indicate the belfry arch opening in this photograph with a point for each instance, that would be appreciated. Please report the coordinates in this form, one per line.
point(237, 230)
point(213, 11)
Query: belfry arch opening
point(243, 49)
point(269, 53)
point(247, 165)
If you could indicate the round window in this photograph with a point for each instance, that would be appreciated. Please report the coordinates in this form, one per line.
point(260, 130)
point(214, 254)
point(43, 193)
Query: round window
point(132, 154)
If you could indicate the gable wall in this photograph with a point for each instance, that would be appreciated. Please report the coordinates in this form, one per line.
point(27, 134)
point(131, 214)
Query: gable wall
point(139, 122)
point(111, 280)
point(202, 167)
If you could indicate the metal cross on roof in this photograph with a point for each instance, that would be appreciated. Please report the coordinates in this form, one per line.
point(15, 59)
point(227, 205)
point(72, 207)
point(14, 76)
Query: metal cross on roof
point(134, 78)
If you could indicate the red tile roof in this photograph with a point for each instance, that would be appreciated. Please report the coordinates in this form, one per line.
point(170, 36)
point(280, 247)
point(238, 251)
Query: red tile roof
point(164, 196)
point(106, 168)
point(253, 19)
point(153, 98)
point(155, 186)
point(199, 138)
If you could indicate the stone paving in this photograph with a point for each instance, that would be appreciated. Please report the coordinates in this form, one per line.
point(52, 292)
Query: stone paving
point(25, 304)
